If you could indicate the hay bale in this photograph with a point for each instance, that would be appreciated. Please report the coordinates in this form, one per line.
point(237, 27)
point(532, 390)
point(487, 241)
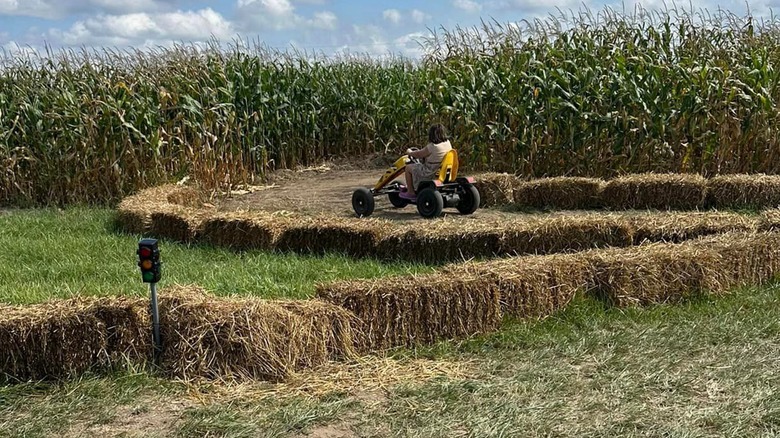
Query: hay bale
point(134, 213)
point(326, 234)
point(655, 273)
point(496, 189)
point(531, 287)
point(560, 193)
point(409, 311)
point(128, 330)
point(186, 196)
point(769, 220)
point(746, 258)
point(657, 191)
point(443, 240)
point(51, 340)
point(175, 222)
point(566, 233)
point(244, 231)
point(213, 338)
point(677, 227)
point(744, 191)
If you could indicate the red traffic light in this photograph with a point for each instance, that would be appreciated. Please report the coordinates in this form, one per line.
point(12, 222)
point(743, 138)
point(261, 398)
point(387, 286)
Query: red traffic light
point(145, 252)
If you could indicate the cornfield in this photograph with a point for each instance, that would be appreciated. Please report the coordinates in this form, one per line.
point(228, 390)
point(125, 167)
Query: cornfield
point(578, 95)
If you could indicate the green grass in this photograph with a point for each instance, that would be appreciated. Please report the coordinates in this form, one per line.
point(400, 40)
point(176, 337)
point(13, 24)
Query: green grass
point(51, 253)
point(706, 368)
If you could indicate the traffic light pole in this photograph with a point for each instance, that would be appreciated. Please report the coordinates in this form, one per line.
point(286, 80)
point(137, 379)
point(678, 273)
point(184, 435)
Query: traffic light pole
point(155, 323)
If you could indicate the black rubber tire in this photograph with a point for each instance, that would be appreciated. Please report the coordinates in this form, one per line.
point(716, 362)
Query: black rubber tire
point(469, 199)
point(397, 200)
point(430, 203)
point(363, 202)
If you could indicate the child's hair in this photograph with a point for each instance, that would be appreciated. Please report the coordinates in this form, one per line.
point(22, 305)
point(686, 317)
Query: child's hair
point(437, 134)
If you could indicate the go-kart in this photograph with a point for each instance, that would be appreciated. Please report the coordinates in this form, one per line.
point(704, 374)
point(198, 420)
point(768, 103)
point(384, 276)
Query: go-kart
point(448, 190)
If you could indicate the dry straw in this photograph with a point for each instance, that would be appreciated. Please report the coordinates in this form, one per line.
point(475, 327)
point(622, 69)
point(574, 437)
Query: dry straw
point(530, 287)
point(496, 189)
point(744, 191)
point(561, 193)
point(244, 231)
point(207, 337)
point(323, 234)
point(67, 337)
point(408, 311)
point(670, 191)
point(677, 227)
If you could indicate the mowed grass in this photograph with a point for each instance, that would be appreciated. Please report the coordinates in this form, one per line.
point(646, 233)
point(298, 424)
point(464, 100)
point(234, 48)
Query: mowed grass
point(59, 253)
point(706, 368)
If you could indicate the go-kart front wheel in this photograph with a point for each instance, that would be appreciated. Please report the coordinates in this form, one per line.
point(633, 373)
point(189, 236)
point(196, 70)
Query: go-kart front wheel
point(363, 202)
point(469, 199)
point(397, 201)
point(430, 203)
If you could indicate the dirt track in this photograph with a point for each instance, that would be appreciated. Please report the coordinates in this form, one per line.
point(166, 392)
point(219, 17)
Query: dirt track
point(328, 190)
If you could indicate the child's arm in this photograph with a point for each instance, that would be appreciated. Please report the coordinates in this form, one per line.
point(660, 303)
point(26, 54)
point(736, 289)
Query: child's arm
point(420, 153)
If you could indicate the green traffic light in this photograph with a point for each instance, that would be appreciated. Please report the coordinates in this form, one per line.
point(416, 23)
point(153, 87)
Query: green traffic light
point(148, 276)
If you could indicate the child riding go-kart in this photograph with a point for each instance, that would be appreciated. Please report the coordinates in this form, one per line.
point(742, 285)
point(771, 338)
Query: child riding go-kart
point(447, 190)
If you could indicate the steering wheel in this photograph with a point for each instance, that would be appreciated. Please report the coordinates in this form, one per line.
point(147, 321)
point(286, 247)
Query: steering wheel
point(412, 159)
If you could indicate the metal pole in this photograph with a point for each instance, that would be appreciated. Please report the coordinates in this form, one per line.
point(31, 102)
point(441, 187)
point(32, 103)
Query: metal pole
point(155, 323)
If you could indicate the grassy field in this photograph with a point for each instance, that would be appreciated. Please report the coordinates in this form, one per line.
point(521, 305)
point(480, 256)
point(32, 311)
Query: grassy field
point(706, 368)
point(59, 253)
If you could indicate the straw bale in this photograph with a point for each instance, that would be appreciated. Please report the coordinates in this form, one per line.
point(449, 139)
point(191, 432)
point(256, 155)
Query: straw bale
point(770, 220)
point(565, 233)
point(655, 273)
point(657, 191)
point(175, 222)
point(216, 338)
point(496, 189)
point(746, 258)
point(186, 196)
point(561, 193)
point(244, 231)
point(677, 227)
point(531, 287)
point(443, 240)
point(134, 213)
point(408, 311)
point(744, 191)
point(128, 329)
point(324, 234)
point(49, 340)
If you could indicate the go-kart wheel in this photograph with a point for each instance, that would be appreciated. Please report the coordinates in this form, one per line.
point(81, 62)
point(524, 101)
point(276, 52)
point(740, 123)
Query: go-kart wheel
point(469, 199)
point(397, 200)
point(363, 202)
point(430, 203)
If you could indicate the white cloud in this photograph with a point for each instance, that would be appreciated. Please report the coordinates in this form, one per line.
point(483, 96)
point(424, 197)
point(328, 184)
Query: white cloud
point(392, 15)
point(419, 16)
point(53, 9)
point(467, 5)
point(133, 29)
point(261, 15)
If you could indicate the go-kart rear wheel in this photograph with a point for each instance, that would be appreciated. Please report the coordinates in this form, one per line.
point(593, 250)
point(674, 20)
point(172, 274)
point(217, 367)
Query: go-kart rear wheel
point(469, 199)
point(363, 202)
point(397, 201)
point(430, 203)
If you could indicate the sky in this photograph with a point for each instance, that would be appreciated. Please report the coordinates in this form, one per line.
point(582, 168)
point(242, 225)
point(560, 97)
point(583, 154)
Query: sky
point(326, 26)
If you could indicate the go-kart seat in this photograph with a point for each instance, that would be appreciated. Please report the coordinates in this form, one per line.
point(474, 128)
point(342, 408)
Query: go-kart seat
point(449, 167)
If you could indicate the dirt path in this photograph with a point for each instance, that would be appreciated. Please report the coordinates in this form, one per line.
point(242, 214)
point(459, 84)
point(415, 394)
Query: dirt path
point(328, 190)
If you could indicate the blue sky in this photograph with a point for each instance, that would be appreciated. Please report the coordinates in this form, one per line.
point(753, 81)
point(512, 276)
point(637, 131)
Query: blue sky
point(328, 26)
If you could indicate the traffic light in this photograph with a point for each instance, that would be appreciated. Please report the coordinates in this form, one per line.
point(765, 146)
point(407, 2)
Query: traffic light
point(149, 260)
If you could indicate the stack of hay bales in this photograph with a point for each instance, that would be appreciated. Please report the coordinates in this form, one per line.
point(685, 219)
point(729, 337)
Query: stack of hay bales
point(496, 189)
point(324, 234)
point(561, 193)
point(655, 191)
point(744, 191)
point(170, 211)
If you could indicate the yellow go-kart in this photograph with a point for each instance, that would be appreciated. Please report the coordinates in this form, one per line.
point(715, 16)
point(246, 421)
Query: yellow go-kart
point(448, 190)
